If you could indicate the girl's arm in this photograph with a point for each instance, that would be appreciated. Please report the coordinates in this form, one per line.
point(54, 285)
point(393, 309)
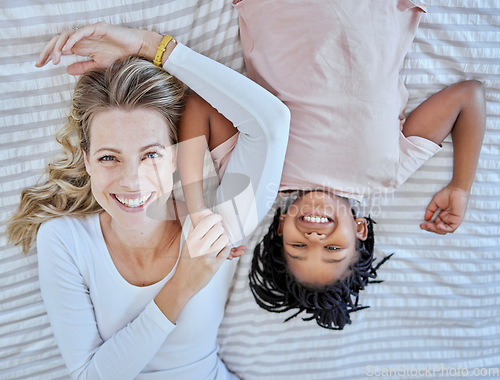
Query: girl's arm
point(459, 109)
point(202, 128)
point(253, 174)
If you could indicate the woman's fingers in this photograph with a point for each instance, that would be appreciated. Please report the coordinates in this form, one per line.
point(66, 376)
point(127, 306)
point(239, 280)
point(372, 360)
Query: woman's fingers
point(223, 255)
point(60, 42)
point(78, 68)
point(219, 244)
point(206, 224)
point(44, 55)
point(80, 34)
point(102, 42)
point(209, 236)
point(53, 50)
point(215, 239)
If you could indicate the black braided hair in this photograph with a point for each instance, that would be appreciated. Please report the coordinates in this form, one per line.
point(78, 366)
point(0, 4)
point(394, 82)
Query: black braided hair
point(276, 290)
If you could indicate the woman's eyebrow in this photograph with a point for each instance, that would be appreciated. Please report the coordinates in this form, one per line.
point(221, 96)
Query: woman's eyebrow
point(107, 150)
point(114, 150)
point(156, 145)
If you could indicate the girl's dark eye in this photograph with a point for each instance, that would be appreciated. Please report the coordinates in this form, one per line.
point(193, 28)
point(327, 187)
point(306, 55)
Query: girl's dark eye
point(298, 245)
point(107, 158)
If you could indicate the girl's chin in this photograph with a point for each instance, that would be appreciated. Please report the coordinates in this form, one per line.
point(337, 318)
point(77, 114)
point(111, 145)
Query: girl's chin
point(314, 205)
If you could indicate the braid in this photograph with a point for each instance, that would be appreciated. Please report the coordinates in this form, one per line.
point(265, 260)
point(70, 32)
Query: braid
point(276, 290)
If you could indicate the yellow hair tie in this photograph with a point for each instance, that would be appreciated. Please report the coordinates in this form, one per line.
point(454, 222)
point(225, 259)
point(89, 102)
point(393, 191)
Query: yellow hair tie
point(161, 49)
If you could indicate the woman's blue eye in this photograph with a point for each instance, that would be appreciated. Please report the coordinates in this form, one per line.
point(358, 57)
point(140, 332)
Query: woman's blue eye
point(329, 247)
point(107, 158)
point(152, 155)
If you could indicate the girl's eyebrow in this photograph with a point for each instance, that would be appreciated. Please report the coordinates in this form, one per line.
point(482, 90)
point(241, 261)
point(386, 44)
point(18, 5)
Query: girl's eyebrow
point(329, 260)
point(334, 260)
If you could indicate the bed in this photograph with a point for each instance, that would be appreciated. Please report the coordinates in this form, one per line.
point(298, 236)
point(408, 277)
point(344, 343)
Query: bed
point(437, 311)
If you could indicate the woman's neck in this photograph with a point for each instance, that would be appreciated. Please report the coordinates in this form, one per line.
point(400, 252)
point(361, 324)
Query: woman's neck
point(148, 241)
point(143, 257)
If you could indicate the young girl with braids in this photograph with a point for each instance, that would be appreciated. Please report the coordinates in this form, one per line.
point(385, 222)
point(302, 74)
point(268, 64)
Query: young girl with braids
point(127, 294)
point(336, 65)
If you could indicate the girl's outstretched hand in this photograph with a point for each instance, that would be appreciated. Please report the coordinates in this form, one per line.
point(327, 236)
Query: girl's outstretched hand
point(452, 201)
point(103, 43)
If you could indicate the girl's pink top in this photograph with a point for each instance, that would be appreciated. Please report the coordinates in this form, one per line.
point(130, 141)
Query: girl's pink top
point(336, 65)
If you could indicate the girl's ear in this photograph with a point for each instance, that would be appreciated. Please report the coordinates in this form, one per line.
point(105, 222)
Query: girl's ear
point(280, 225)
point(361, 228)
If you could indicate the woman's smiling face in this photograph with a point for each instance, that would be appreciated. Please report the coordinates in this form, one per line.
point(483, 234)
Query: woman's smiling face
point(131, 161)
point(320, 238)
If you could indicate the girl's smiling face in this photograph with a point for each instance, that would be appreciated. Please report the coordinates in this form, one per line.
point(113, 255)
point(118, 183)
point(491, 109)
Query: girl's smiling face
point(131, 161)
point(320, 238)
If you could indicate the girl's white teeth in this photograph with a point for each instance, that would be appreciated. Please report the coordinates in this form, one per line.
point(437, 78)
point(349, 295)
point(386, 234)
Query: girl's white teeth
point(133, 202)
point(316, 219)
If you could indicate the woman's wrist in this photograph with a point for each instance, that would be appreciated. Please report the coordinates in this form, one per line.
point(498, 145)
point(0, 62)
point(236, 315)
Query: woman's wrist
point(172, 298)
point(150, 43)
point(199, 214)
point(170, 47)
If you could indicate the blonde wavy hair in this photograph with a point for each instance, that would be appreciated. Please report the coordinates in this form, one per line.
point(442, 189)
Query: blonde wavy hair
point(127, 84)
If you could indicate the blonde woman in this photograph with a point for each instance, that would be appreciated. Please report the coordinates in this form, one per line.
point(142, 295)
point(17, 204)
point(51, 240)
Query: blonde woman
point(126, 296)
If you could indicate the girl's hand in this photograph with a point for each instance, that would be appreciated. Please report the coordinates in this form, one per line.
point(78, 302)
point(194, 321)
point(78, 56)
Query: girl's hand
point(453, 203)
point(103, 43)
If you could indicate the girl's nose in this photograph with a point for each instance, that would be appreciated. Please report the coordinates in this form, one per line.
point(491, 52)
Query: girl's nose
point(314, 236)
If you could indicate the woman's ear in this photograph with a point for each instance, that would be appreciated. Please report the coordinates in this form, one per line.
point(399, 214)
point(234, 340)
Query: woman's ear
point(87, 163)
point(361, 228)
point(173, 153)
point(174, 162)
point(280, 225)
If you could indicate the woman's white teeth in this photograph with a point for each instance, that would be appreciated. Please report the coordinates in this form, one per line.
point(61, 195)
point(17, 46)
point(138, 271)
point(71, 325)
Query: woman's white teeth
point(136, 202)
point(316, 219)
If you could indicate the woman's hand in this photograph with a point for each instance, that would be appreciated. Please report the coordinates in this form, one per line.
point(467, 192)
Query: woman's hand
point(103, 43)
point(204, 251)
point(452, 201)
point(198, 216)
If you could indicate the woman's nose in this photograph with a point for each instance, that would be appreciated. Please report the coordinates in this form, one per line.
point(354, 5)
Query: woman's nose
point(129, 176)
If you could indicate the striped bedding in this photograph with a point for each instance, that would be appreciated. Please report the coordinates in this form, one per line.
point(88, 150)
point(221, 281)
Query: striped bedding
point(438, 310)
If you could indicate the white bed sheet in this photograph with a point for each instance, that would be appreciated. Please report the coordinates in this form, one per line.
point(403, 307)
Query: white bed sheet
point(439, 307)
